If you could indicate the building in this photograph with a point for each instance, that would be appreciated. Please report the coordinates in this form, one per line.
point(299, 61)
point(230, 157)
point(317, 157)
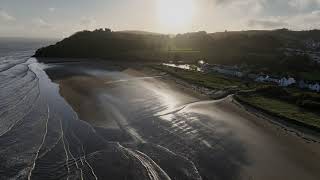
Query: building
point(314, 87)
point(273, 79)
point(261, 78)
point(284, 82)
point(267, 78)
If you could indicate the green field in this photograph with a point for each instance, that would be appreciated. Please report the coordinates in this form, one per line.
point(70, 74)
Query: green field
point(283, 109)
point(311, 76)
point(212, 80)
point(289, 103)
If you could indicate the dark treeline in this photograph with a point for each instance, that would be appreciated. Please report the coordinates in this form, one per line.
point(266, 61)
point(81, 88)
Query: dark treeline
point(102, 43)
point(262, 49)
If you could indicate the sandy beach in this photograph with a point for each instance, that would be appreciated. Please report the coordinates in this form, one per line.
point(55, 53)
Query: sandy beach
point(220, 137)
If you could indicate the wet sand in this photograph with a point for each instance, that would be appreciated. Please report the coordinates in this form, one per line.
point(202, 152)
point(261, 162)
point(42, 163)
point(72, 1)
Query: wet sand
point(84, 101)
point(41, 137)
point(221, 138)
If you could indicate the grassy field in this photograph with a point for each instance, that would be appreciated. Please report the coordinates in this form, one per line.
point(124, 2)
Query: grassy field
point(283, 109)
point(311, 76)
point(213, 81)
point(287, 103)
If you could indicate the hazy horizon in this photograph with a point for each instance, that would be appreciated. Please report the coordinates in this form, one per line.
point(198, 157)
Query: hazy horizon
point(136, 30)
point(58, 19)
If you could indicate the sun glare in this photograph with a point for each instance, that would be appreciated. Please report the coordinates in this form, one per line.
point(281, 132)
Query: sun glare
point(175, 15)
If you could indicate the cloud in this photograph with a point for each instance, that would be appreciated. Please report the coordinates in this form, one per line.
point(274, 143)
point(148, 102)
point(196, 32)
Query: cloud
point(230, 2)
point(88, 22)
point(39, 22)
point(243, 5)
point(303, 4)
point(309, 20)
point(4, 16)
point(231, 11)
point(267, 24)
point(264, 14)
point(271, 7)
point(52, 9)
point(209, 15)
point(299, 21)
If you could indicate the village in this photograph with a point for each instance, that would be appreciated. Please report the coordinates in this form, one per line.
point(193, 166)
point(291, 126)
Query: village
point(285, 81)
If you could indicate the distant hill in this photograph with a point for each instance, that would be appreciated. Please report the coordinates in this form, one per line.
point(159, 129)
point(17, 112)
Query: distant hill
point(139, 32)
point(105, 44)
point(275, 50)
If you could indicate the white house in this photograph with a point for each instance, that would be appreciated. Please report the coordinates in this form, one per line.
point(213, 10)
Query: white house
point(267, 78)
point(314, 87)
point(273, 79)
point(286, 81)
point(310, 86)
point(261, 78)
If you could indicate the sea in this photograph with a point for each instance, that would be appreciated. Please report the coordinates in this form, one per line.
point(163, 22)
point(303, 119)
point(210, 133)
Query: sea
point(41, 136)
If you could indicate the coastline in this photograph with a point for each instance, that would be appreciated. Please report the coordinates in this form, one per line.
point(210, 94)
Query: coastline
point(196, 89)
point(200, 128)
point(299, 128)
point(175, 82)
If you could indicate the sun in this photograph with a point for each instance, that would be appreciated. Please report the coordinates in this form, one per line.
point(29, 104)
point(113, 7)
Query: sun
point(175, 15)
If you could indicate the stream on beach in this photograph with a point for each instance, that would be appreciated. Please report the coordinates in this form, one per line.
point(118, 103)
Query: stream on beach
point(106, 121)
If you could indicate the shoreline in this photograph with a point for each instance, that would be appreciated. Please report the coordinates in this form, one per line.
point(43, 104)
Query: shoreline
point(286, 123)
point(188, 119)
point(191, 89)
point(202, 93)
point(205, 92)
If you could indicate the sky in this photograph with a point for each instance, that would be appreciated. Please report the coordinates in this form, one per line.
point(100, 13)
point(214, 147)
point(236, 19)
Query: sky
point(60, 18)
